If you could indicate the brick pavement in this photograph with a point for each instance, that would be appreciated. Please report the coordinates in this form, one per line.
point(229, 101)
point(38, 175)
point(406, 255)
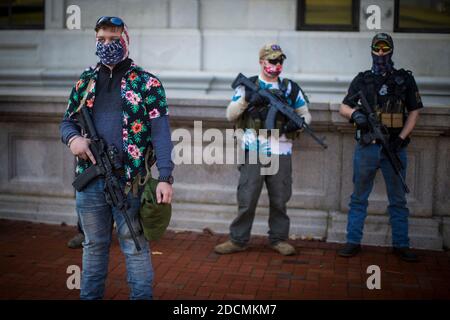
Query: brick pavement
point(34, 259)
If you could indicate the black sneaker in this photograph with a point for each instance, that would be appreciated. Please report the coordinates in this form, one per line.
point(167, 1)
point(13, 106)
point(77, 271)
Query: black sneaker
point(405, 254)
point(349, 250)
point(76, 242)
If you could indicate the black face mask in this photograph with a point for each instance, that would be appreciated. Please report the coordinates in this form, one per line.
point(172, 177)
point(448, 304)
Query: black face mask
point(382, 64)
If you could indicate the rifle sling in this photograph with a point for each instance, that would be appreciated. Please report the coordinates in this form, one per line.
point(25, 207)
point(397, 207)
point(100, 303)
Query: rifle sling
point(89, 86)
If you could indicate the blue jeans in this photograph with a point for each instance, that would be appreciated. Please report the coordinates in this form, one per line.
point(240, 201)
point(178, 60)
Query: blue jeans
point(96, 218)
point(366, 161)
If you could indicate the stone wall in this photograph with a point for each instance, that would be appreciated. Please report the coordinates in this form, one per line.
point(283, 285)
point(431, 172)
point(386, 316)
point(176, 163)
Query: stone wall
point(37, 170)
point(197, 47)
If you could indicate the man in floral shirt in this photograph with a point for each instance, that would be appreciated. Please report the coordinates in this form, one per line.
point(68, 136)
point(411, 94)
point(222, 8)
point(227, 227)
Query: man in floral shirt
point(129, 110)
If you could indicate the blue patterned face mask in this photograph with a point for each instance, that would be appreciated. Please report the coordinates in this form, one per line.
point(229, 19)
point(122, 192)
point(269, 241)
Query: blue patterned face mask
point(382, 64)
point(111, 53)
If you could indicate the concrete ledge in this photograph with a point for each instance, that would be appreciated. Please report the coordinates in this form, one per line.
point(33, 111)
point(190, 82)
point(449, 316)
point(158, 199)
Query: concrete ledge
point(196, 217)
point(320, 88)
point(206, 194)
point(423, 232)
point(52, 210)
point(446, 232)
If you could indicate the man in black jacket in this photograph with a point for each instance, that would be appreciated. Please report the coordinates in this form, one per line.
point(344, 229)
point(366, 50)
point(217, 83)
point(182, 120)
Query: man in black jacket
point(393, 94)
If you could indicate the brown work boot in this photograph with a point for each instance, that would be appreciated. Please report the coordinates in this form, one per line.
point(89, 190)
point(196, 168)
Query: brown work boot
point(284, 248)
point(228, 247)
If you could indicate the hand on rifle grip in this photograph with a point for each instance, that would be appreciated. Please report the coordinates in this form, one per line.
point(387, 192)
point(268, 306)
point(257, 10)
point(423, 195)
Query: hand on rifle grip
point(80, 148)
point(360, 119)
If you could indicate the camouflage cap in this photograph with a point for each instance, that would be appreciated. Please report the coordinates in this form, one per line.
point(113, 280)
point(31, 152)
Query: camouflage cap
point(271, 51)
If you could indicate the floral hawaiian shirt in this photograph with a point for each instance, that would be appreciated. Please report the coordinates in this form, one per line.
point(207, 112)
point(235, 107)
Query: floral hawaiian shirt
point(143, 99)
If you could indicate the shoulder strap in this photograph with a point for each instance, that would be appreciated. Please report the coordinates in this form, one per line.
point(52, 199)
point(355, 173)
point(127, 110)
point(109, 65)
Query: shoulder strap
point(149, 161)
point(284, 85)
point(400, 80)
point(403, 71)
point(255, 80)
point(295, 88)
point(368, 76)
point(304, 94)
point(138, 181)
point(369, 82)
point(86, 92)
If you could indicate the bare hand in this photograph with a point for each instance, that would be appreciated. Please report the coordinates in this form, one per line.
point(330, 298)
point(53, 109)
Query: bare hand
point(164, 192)
point(80, 148)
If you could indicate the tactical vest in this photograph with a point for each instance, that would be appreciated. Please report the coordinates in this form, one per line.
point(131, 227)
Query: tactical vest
point(392, 112)
point(246, 121)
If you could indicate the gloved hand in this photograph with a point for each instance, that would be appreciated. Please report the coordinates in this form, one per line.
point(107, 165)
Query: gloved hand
point(290, 126)
point(397, 144)
point(256, 99)
point(360, 119)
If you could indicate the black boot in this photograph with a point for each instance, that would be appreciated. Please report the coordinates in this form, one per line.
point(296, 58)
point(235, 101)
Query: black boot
point(349, 250)
point(76, 242)
point(405, 254)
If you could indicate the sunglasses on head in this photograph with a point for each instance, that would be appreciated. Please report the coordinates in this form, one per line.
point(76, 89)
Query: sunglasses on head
point(275, 47)
point(276, 61)
point(111, 20)
point(383, 48)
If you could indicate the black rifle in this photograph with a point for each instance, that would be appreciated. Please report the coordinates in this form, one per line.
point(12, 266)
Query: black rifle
point(276, 105)
point(106, 162)
point(379, 133)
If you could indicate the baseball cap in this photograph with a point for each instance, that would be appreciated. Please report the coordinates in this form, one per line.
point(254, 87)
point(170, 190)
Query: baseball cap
point(383, 37)
point(271, 51)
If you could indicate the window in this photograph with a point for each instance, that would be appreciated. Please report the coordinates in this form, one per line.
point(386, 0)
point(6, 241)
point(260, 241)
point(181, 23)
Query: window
point(328, 15)
point(22, 14)
point(422, 16)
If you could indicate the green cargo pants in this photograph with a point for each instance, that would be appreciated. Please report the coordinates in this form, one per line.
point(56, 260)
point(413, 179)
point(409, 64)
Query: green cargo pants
point(279, 187)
